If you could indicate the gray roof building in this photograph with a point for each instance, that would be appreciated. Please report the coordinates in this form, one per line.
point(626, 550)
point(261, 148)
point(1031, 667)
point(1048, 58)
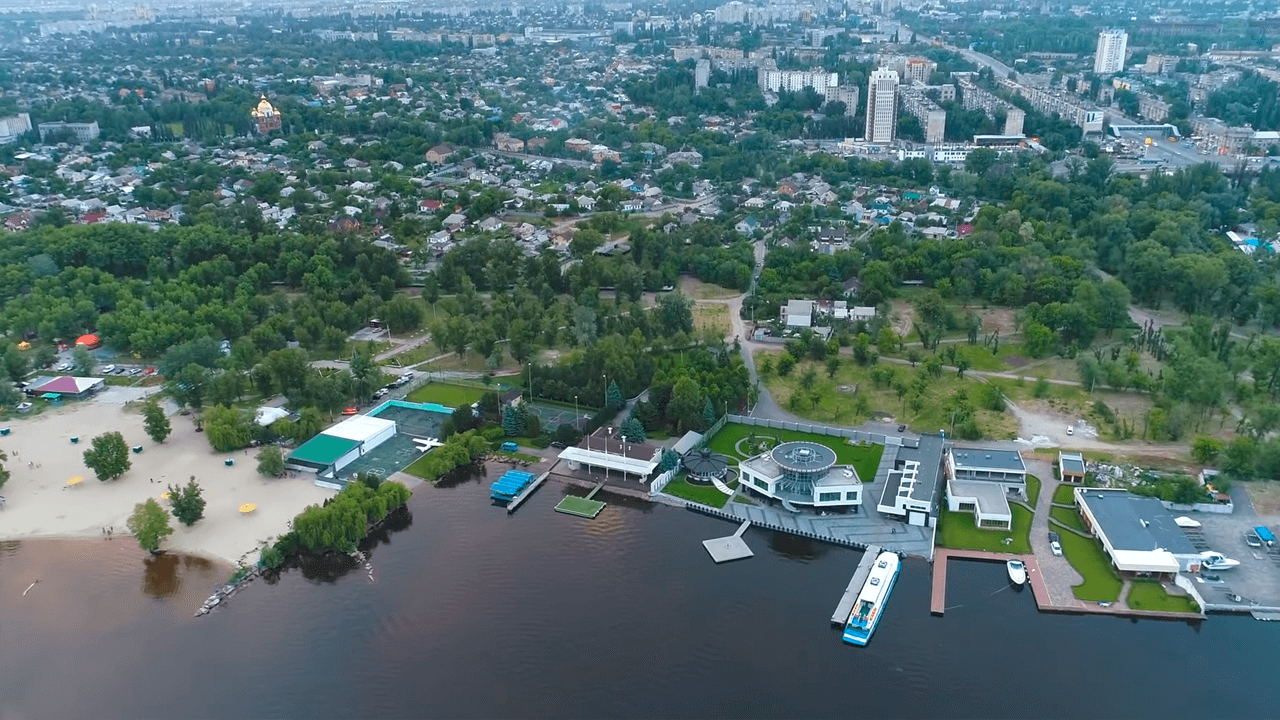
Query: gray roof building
point(1138, 532)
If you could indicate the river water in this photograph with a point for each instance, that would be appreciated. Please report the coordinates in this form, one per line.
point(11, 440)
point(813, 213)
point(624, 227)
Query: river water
point(474, 613)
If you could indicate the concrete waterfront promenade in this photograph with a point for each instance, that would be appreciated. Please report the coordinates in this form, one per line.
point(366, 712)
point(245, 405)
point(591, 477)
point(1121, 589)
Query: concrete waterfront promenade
point(856, 530)
point(845, 606)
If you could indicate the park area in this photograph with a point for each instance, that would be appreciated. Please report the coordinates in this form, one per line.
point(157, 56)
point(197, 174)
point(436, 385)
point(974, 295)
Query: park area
point(1101, 583)
point(704, 494)
point(855, 394)
point(739, 442)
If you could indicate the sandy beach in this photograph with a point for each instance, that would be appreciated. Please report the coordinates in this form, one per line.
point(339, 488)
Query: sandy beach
point(41, 459)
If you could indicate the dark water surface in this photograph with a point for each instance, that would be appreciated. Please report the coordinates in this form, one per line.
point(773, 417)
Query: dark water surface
point(478, 614)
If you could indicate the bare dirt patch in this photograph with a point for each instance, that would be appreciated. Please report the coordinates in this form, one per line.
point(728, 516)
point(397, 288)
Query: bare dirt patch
point(1265, 495)
point(997, 319)
point(903, 316)
point(695, 288)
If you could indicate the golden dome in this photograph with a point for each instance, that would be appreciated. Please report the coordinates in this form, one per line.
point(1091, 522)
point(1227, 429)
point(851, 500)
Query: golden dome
point(264, 108)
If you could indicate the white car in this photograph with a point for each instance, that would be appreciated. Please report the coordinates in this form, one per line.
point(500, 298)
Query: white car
point(64, 367)
point(1056, 548)
point(108, 369)
point(1071, 430)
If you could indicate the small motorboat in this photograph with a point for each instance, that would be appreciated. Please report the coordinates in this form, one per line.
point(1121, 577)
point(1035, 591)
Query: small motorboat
point(1216, 561)
point(1017, 572)
point(1186, 522)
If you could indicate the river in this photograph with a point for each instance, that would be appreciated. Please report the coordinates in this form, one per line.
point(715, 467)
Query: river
point(474, 613)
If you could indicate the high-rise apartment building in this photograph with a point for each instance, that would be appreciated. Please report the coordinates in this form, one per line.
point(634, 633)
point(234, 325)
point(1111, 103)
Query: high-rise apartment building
point(882, 110)
point(701, 73)
point(1109, 58)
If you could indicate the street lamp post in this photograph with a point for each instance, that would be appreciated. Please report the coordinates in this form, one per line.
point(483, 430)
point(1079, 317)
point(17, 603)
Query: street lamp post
point(575, 419)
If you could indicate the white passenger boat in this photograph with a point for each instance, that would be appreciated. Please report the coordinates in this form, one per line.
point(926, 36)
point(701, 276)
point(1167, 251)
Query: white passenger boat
point(871, 601)
point(1017, 572)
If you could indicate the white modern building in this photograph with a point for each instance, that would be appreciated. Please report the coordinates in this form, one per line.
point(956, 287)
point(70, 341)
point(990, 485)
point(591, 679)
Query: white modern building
point(1109, 58)
point(797, 313)
point(1138, 533)
point(773, 81)
point(14, 127)
point(701, 73)
point(605, 451)
point(979, 481)
point(882, 110)
point(802, 473)
point(84, 132)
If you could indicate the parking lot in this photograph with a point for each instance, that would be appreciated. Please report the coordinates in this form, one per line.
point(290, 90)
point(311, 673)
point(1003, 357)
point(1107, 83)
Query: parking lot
point(1257, 579)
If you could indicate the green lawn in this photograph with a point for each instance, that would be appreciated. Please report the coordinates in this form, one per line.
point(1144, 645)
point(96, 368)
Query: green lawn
point(1070, 518)
point(1101, 583)
point(415, 469)
point(1033, 489)
point(1063, 495)
point(454, 396)
point(704, 494)
point(958, 532)
point(1151, 595)
point(582, 507)
point(864, 459)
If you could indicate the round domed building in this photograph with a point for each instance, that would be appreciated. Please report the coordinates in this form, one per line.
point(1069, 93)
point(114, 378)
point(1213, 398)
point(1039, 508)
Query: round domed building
point(802, 473)
point(704, 465)
point(265, 116)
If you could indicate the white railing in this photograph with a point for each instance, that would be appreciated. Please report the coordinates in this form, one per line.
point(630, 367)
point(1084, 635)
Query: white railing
point(661, 481)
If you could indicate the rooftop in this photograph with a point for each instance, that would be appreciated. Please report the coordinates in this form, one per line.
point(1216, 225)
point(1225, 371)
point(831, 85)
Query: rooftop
point(359, 428)
point(1136, 523)
point(1071, 463)
point(988, 459)
point(805, 457)
point(323, 450)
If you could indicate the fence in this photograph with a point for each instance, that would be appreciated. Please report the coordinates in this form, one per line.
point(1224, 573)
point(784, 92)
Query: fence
point(1185, 583)
point(661, 481)
point(1217, 508)
point(853, 435)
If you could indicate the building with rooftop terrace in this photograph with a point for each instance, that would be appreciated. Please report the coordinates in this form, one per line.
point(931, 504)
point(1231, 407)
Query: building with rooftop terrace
point(912, 481)
point(802, 473)
point(1138, 533)
point(980, 481)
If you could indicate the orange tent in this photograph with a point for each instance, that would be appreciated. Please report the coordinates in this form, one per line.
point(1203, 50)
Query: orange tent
point(24, 345)
point(89, 341)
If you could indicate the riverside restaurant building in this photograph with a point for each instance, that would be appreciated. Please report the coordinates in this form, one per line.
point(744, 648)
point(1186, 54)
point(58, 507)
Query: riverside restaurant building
point(802, 473)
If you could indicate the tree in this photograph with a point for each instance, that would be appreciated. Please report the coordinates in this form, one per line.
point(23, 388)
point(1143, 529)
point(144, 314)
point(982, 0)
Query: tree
point(808, 378)
point(4, 472)
point(187, 386)
point(512, 420)
point(188, 505)
point(708, 414)
point(227, 428)
point(155, 421)
point(613, 397)
point(1037, 339)
point(149, 524)
point(82, 361)
point(1205, 448)
point(833, 365)
point(785, 363)
point(1239, 457)
point(366, 376)
point(109, 456)
point(402, 314)
point(632, 430)
point(270, 461)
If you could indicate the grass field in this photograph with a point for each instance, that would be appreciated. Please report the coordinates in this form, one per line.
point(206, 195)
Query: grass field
point(1070, 518)
point(574, 505)
point(1063, 495)
point(958, 532)
point(864, 459)
point(415, 469)
point(704, 494)
point(1101, 583)
point(711, 317)
point(454, 396)
point(1033, 489)
point(1151, 595)
point(838, 397)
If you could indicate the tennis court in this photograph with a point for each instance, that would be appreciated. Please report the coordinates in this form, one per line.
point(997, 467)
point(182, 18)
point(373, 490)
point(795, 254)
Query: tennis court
point(553, 416)
point(416, 419)
point(413, 420)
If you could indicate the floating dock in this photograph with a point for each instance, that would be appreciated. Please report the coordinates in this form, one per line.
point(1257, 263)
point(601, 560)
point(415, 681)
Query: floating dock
point(845, 606)
point(729, 548)
point(526, 492)
point(582, 507)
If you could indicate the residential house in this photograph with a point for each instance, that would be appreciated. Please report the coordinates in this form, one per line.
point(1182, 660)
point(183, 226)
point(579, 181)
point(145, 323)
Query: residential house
point(797, 313)
point(491, 224)
point(980, 480)
point(440, 153)
point(1071, 467)
point(455, 222)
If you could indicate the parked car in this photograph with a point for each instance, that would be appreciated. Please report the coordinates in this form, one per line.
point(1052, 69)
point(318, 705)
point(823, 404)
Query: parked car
point(108, 369)
point(64, 367)
point(1056, 548)
point(1053, 536)
point(1252, 540)
point(135, 371)
point(1071, 430)
point(381, 393)
point(557, 445)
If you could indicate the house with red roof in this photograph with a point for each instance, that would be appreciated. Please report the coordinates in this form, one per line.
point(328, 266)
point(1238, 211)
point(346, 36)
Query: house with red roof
point(65, 386)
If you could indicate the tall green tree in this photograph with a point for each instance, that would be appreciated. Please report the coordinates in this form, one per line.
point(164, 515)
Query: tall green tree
point(82, 361)
point(613, 396)
point(271, 461)
point(108, 457)
point(149, 524)
point(227, 428)
point(155, 421)
point(187, 502)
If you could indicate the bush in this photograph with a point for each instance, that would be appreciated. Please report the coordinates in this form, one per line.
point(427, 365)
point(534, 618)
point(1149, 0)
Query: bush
point(344, 519)
point(188, 505)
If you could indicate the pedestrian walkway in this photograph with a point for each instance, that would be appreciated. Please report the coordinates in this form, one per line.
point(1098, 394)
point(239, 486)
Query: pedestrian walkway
point(722, 487)
point(853, 529)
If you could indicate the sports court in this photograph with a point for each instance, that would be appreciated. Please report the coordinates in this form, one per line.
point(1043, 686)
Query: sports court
point(553, 416)
point(413, 420)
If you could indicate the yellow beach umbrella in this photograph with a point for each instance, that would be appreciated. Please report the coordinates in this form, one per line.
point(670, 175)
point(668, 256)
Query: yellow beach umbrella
point(75, 480)
point(164, 495)
point(248, 508)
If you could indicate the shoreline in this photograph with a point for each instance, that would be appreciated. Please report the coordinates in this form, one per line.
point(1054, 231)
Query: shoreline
point(40, 504)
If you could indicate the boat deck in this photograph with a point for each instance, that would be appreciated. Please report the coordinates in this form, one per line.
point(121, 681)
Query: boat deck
point(845, 606)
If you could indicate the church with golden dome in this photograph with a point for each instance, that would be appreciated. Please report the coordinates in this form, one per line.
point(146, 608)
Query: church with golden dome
point(265, 116)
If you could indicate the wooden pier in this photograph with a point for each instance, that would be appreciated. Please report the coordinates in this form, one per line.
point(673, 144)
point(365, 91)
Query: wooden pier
point(845, 607)
point(515, 501)
point(938, 600)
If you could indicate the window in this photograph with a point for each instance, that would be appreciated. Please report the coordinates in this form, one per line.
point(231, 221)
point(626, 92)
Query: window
point(851, 495)
point(829, 497)
point(760, 483)
point(967, 507)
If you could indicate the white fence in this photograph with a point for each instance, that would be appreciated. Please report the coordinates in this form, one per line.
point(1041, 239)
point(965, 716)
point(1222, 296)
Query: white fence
point(1185, 583)
point(1218, 508)
point(853, 435)
point(661, 481)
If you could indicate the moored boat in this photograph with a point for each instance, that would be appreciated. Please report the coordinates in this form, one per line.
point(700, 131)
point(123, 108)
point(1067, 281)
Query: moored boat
point(872, 599)
point(1017, 572)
